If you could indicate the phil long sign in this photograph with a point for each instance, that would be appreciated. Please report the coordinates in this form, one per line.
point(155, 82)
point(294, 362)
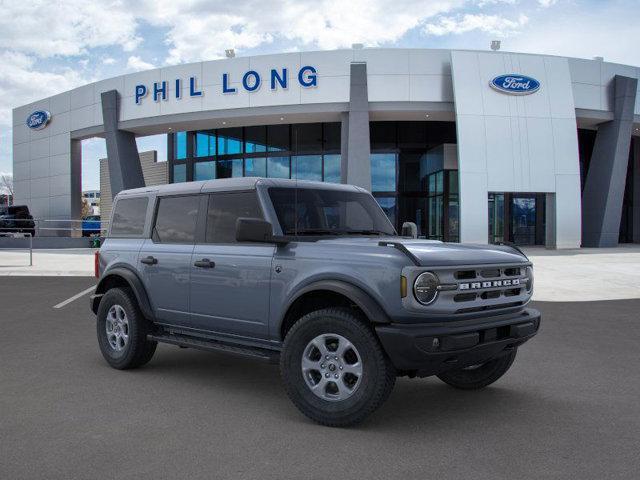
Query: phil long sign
point(250, 81)
point(515, 84)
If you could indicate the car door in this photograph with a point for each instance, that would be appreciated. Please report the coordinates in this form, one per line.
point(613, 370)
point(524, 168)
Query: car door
point(165, 258)
point(230, 281)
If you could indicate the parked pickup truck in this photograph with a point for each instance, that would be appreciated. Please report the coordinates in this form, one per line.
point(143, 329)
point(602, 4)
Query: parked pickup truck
point(313, 276)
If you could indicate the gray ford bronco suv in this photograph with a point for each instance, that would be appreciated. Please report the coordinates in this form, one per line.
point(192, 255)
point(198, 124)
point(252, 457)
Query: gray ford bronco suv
point(312, 275)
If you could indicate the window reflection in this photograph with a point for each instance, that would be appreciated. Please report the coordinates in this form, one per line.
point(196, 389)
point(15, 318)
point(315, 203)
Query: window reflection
point(306, 167)
point(255, 167)
point(229, 168)
point(180, 173)
point(180, 146)
point(332, 168)
point(205, 144)
point(383, 172)
point(278, 167)
point(388, 204)
point(204, 171)
point(229, 141)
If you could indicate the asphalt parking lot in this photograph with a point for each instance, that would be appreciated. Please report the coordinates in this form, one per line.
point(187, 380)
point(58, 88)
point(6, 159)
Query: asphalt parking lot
point(569, 407)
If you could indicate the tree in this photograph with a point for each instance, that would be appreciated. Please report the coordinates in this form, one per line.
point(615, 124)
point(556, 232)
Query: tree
point(86, 208)
point(6, 185)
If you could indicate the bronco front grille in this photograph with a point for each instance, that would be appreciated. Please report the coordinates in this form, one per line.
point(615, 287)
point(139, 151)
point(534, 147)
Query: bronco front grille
point(476, 289)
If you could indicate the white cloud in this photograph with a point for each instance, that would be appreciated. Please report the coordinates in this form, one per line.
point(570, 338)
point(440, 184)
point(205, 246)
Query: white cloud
point(491, 24)
point(45, 28)
point(135, 63)
point(108, 61)
point(547, 3)
point(21, 83)
point(202, 31)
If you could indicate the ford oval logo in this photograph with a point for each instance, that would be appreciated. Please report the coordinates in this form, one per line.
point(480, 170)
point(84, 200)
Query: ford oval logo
point(38, 119)
point(515, 84)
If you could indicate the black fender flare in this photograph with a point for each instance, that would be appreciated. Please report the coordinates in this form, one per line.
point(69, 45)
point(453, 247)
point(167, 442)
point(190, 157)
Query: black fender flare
point(370, 307)
point(132, 280)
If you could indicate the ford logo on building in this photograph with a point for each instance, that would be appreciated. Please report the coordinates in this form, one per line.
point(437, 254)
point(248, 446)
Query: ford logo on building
point(38, 119)
point(515, 84)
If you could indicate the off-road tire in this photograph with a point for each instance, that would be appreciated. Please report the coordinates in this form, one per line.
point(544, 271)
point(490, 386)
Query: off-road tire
point(479, 377)
point(138, 350)
point(378, 376)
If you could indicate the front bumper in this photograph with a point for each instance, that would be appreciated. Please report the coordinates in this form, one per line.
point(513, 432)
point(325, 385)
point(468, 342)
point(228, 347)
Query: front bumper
point(429, 349)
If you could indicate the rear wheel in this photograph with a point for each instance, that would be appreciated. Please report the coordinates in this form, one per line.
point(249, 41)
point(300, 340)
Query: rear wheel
point(122, 331)
point(334, 369)
point(479, 376)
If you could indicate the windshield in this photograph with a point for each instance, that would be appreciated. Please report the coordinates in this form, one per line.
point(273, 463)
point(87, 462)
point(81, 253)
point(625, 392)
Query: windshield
point(328, 212)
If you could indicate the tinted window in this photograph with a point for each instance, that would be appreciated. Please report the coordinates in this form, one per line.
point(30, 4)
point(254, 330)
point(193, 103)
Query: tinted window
point(176, 219)
point(224, 210)
point(327, 212)
point(128, 217)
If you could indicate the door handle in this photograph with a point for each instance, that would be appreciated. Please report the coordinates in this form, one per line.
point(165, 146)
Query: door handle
point(149, 260)
point(204, 263)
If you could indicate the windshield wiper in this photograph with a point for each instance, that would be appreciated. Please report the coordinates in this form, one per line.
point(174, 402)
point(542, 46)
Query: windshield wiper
point(365, 232)
point(313, 231)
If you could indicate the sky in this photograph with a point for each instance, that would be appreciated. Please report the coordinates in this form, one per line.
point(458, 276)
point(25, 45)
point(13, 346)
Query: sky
point(47, 47)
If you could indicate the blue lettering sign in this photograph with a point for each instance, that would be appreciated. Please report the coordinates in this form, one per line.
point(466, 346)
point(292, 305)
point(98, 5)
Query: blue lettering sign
point(192, 88)
point(275, 77)
point(157, 90)
point(141, 92)
point(253, 85)
point(515, 84)
point(225, 84)
point(309, 80)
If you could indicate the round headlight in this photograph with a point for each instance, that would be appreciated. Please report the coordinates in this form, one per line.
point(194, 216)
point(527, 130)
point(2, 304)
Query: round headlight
point(529, 280)
point(425, 288)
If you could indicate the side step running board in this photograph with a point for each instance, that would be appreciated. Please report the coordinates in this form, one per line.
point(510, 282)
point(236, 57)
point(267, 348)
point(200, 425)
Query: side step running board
point(264, 354)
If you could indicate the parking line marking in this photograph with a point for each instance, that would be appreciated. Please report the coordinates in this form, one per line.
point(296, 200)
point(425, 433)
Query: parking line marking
point(75, 297)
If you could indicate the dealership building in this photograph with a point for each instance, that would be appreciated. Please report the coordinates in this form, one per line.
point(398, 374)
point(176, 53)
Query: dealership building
point(472, 146)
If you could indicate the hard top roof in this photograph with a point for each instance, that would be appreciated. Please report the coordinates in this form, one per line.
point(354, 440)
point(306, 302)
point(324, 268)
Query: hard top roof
point(233, 184)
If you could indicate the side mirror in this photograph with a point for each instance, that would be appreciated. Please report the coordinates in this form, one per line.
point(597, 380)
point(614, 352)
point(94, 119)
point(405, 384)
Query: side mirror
point(254, 230)
point(409, 229)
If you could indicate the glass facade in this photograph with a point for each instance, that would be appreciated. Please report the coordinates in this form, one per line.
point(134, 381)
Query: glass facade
point(409, 177)
point(309, 151)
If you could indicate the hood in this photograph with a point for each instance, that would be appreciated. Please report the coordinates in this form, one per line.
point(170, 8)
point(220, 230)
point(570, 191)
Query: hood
point(431, 253)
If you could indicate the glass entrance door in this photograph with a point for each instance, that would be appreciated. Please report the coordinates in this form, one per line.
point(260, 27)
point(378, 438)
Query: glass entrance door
point(523, 220)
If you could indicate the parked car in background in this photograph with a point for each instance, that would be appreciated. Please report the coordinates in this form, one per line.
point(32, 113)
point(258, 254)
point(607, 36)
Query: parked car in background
point(17, 219)
point(91, 225)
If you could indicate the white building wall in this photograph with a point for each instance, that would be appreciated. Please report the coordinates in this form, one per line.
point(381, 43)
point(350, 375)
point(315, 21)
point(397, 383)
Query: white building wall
point(509, 143)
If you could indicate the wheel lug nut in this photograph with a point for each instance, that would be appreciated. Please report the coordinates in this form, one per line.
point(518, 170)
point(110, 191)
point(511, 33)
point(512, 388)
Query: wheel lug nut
point(327, 375)
point(336, 375)
point(327, 357)
point(341, 367)
point(322, 365)
point(335, 358)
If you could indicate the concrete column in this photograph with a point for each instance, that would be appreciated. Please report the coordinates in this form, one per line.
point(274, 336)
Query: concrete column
point(125, 170)
point(356, 162)
point(636, 190)
point(604, 186)
point(550, 228)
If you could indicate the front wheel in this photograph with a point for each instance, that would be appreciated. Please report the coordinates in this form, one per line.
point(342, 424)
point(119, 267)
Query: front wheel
point(334, 369)
point(479, 376)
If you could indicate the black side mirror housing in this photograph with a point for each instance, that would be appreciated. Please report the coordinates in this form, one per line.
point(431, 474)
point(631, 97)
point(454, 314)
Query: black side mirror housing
point(255, 230)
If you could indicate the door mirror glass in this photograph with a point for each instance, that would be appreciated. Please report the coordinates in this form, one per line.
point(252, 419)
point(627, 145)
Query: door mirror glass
point(253, 230)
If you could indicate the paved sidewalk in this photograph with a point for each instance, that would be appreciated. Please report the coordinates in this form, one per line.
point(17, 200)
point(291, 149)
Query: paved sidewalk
point(62, 262)
point(586, 274)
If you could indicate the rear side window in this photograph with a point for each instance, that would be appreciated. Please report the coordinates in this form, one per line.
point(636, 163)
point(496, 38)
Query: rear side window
point(176, 219)
point(128, 217)
point(224, 209)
